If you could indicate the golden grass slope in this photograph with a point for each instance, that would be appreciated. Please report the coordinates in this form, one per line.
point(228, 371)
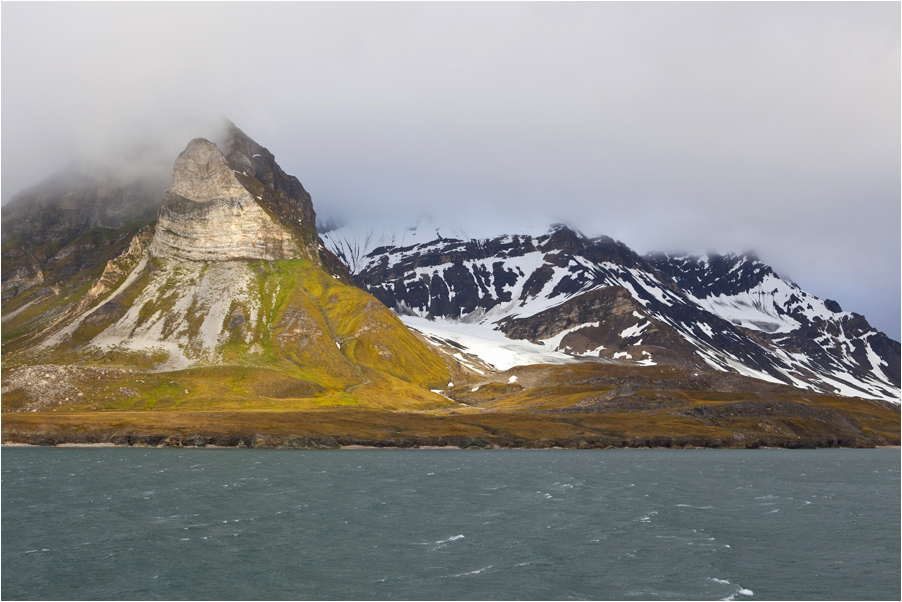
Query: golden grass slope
point(216, 335)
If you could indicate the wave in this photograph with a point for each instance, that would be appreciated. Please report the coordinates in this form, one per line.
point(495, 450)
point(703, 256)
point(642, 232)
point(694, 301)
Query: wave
point(739, 592)
point(437, 545)
point(476, 572)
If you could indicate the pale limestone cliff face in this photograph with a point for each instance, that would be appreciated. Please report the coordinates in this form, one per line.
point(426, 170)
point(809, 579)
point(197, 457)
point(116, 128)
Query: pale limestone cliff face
point(208, 215)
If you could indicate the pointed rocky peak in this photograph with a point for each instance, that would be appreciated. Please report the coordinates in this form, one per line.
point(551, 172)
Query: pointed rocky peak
point(208, 214)
point(202, 174)
point(563, 238)
point(281, 194)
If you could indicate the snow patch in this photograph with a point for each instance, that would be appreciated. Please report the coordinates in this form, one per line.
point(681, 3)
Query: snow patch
point(634, 330)
point(491, 346)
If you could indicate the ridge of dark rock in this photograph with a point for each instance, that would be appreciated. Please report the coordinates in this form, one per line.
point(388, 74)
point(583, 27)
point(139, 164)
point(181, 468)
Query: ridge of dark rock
point(723, 312)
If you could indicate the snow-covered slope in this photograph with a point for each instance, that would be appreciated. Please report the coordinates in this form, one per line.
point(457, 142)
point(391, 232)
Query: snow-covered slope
point(571, 298)
point(745, 291)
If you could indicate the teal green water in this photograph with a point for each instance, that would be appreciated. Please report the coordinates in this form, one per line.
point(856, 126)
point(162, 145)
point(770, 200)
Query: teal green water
point(118, 523)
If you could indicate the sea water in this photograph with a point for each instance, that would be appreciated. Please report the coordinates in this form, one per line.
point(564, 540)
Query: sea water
point(120, 523)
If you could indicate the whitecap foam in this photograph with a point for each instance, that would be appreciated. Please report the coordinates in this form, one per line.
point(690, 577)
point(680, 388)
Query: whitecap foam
point(740, 592)
point(476, 572)
point(438, 545)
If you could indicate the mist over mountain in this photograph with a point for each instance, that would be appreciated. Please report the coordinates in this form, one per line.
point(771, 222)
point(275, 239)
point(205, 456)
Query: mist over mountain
point(671, 127)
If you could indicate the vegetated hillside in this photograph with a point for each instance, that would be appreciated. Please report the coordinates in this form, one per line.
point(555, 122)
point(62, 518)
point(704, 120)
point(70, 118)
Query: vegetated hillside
point(567, 297)
point(234, 330)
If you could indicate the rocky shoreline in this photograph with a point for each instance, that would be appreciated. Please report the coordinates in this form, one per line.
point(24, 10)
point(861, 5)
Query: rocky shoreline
point(258, 441)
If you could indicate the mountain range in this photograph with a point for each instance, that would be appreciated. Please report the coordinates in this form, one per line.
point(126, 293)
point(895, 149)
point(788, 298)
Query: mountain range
point(214, 311)
point(595, 298)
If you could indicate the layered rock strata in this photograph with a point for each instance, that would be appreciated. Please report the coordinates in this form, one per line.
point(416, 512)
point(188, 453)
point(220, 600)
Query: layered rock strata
point(209, 215)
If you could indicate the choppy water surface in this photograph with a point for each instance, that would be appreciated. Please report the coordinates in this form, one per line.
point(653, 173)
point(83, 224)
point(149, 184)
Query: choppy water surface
point(115, 523)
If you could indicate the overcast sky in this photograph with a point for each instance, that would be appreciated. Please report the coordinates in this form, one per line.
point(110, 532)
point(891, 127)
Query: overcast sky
point(703, 126)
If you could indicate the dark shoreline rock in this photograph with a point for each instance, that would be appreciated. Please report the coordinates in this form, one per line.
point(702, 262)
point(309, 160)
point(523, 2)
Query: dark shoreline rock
point(277, 441)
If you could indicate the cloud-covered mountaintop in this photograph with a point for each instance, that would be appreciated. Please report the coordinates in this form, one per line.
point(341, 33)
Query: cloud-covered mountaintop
point(678, 126)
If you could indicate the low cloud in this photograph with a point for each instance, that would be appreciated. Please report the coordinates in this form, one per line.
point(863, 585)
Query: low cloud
point(727, 126)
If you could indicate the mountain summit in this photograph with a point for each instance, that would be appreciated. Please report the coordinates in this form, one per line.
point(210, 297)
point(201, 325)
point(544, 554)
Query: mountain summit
point(237, 204)
point(209, 215)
